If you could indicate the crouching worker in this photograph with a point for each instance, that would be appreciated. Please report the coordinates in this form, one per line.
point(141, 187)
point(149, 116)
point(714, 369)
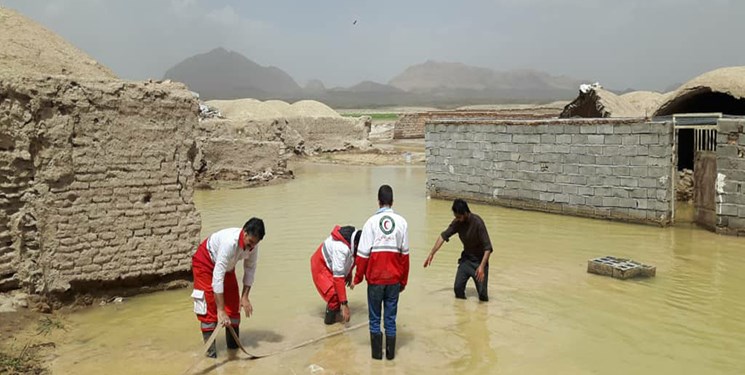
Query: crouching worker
point(217, 302)
point(331, 267)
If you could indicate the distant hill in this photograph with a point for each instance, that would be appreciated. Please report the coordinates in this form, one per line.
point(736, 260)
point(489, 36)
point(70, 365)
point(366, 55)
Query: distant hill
point(223, 74)
point(445, 78)
point(314, 86)
point(372, 87)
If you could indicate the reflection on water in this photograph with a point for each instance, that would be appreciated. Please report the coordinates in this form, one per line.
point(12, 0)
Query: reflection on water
point(545, 315)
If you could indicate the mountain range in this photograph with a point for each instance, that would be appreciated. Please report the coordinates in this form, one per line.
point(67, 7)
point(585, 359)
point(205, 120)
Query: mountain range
point(224, 74)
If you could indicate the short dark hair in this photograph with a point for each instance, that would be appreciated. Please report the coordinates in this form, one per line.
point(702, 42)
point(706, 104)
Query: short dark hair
point(385, 195)
point(255, 227)
point(460, 207)
point(357, 237)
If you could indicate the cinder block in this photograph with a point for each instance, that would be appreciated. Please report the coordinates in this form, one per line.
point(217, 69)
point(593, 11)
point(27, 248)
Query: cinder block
point(630, 140)
point(622, 129)
point(564, 138)
point(619, 268)
point(586, 191)
point(596, 139)
point(649, 139)
point(605, 129)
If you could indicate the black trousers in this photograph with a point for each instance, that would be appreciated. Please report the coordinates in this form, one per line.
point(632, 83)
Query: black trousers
point(467, 270)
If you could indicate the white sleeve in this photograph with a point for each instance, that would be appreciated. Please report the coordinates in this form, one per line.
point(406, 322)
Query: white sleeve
point(405, 238)
point(249, 267)
point(339, 256)
point(225, 253)
point(366, 240)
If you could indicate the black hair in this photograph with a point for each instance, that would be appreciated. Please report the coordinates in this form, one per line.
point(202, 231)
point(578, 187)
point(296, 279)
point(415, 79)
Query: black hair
point(357, 240)
point(385, 195)
point(255, 227)
point(346, 232)
point(460, 207)
point(357, 237)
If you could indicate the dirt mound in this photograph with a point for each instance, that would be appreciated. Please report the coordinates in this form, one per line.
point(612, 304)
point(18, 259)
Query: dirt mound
point(27, 48)
point(597, 102)
point(647, 101)
point(310, 108)
point(253, 109)
point(720, 90)
point(246, 109)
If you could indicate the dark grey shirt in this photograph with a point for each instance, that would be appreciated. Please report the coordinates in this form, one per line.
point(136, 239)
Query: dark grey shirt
point(473, 234)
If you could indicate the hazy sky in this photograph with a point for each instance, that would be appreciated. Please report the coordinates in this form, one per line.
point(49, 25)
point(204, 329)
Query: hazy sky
point(644, 44)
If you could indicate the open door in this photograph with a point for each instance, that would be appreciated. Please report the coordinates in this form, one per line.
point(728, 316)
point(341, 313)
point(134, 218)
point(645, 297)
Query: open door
point(704, 177)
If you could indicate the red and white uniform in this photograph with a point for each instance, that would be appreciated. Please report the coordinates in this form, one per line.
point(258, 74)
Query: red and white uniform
point(330, 265)
point(213, 266)
point(383, 254)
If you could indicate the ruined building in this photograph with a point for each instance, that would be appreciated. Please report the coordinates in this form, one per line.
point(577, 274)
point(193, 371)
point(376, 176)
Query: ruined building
point(97, 173)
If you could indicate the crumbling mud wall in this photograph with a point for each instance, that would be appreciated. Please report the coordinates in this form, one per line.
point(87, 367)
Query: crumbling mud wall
point(329, 134)
point(730, 179)
point(247, 153)
point(253, 151)
point(96, 184)
point(601, 168)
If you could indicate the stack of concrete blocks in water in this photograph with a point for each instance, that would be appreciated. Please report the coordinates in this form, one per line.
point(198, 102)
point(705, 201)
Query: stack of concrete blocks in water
point(620, 268)
point(615, 169)
point(97, 183)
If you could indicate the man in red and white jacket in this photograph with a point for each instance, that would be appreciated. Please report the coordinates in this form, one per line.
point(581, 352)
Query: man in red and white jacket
point(383, 259)
point(331, 267)
point(216, 298)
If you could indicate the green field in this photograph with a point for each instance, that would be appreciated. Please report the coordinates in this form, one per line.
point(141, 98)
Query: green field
point(374, 116)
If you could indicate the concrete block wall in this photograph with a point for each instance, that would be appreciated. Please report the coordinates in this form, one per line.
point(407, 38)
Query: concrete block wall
point(97, 183)
point(602, 168)
point(730, 184)
point(412, 125)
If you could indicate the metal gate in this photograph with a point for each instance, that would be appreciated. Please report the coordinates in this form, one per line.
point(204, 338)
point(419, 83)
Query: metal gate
point(704, 127)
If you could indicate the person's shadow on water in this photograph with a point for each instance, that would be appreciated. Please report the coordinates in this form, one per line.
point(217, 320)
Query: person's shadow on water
point(252, 338)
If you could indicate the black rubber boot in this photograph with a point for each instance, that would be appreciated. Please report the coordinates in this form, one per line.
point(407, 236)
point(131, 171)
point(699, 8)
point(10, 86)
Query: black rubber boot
point(229, 338)
point(390, 347)
point(331, 315)
point(376, 342)
point(212, 351)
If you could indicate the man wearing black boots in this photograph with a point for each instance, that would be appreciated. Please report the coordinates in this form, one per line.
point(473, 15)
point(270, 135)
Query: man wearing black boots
point(383, 259)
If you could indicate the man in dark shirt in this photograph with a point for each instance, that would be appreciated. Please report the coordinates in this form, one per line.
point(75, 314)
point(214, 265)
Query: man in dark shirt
point(474, 260)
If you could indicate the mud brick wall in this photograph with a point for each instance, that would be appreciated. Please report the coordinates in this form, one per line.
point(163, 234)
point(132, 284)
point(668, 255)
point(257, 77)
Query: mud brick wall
point(730, 184)
point(412, 125)
point(613, 169)
point(241, 160)
point(96, 184)
point(300, 135)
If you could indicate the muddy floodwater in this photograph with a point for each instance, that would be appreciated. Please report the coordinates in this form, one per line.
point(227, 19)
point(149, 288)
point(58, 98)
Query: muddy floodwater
point(546, 314)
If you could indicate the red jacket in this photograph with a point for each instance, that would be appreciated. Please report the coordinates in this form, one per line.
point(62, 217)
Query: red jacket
point(337, 255)
point(383, 254)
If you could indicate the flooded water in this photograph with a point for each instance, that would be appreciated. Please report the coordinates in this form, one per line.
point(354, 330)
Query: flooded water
point(546, 314)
